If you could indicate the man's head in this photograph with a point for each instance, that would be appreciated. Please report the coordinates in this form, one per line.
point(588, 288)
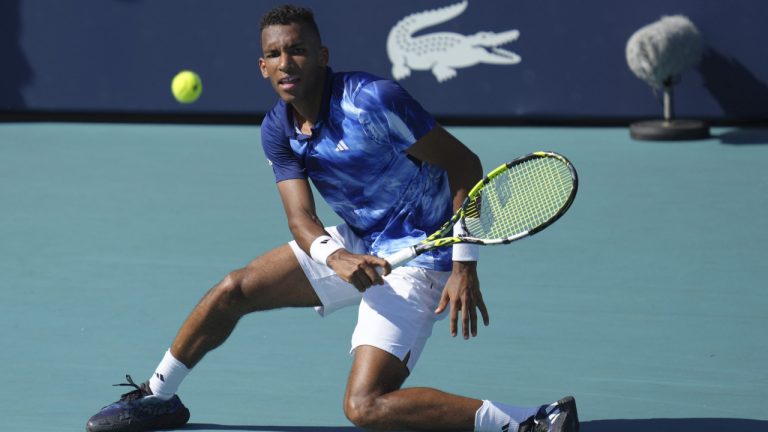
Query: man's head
point(294, 59)
point(287, 14)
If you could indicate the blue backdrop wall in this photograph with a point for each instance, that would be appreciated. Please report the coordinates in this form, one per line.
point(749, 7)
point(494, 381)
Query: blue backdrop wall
point(118, 56)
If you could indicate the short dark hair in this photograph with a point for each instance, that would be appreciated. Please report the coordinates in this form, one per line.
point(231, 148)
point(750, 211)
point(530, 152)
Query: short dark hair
point(288, 14)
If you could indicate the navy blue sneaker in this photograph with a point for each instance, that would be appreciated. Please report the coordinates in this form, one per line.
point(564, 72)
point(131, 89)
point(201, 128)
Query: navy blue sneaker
point(139, 411)
point(560, 416)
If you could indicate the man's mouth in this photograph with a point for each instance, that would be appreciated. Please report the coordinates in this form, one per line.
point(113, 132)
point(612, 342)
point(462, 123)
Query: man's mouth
point(288, 82)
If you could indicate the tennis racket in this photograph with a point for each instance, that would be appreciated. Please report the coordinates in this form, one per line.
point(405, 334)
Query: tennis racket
point(514, 201)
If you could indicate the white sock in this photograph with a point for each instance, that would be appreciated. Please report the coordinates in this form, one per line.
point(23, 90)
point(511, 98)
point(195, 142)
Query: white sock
point(497, 417)
point(168, 376)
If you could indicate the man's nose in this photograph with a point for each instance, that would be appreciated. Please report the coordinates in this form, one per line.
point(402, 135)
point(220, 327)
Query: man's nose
point(286, 61)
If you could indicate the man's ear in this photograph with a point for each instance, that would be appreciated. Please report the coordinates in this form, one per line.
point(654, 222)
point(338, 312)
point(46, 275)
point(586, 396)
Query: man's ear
point(324, 55)
point(263, 67)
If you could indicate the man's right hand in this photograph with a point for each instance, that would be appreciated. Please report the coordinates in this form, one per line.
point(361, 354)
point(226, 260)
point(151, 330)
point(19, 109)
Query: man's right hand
point(359, 270)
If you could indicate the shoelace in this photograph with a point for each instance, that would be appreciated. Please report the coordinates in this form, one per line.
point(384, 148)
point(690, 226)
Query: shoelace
point(141, 390)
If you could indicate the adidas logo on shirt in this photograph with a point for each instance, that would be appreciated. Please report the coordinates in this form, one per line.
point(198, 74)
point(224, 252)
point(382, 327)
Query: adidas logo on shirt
point(342, 146)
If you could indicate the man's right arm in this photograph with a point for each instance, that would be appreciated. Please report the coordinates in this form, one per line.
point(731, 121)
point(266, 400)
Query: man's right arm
point(299, 205)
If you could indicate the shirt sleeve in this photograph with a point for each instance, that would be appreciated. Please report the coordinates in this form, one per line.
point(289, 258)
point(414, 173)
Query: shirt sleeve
point(390, 115)
point(277, 148)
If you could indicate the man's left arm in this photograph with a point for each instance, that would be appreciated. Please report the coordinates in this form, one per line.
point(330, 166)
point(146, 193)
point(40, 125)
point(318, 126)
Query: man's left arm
point(462, 292)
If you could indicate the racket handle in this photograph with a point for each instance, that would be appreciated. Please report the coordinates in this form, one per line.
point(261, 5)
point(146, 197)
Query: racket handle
point(399, 258)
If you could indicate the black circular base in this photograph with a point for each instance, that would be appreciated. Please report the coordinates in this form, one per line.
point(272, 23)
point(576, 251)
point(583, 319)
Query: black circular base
point(673, 130)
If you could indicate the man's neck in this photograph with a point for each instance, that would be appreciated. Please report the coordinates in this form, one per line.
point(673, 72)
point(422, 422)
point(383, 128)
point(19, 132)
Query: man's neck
point(306, 112)
point(303, 123)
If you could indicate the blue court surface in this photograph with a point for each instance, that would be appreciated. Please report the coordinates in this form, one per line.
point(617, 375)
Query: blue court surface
point(647, 301)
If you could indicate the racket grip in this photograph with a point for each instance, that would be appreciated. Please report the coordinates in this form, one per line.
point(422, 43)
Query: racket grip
point(399, 258)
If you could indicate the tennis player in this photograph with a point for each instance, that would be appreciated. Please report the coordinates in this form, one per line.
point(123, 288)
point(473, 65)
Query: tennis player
point(393, 176)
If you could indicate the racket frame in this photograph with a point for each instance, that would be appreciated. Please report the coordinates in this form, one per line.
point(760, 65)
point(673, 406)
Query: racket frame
point(441, 238)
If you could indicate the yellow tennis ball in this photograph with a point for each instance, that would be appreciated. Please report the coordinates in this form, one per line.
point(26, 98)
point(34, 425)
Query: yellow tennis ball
point(186, 86)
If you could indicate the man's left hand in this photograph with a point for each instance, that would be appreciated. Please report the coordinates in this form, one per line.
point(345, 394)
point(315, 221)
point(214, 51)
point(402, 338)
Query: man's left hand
point(462, 293)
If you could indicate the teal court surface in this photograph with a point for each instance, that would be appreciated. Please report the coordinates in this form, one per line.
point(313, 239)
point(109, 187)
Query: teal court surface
point(647, 301)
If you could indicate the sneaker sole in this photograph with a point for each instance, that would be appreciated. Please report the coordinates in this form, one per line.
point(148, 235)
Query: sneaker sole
point(168, 421)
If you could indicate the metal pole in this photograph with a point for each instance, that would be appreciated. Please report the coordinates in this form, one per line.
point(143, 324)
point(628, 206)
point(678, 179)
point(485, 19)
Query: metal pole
point(668, 108)
point(668, 101)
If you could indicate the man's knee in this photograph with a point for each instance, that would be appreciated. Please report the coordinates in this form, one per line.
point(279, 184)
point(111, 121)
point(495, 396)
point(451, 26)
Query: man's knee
point(229, 293)
point(362, 411)
point(369, 402)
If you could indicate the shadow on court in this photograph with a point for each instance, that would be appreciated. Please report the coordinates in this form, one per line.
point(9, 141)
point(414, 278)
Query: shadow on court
point(744, 136)
point(635, 425)
point(219, 427)
point(675, 425)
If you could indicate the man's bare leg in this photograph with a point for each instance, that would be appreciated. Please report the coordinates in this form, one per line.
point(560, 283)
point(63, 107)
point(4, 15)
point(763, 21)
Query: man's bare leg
point(374, 400)
point(274, 280)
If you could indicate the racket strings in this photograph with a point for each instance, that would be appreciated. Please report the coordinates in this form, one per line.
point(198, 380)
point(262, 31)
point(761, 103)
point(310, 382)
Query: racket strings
point(519, 199)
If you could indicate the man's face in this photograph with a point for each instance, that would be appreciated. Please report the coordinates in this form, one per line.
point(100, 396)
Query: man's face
point(293, 61)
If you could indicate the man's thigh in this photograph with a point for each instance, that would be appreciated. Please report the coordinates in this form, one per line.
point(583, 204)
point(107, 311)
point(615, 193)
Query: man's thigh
point(288, 277)
point(398, 317)
point(333, 292)
point(276, 280)
point(374, 372)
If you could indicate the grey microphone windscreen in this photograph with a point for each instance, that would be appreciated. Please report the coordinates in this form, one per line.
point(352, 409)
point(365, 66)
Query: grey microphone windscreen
point(664, 49)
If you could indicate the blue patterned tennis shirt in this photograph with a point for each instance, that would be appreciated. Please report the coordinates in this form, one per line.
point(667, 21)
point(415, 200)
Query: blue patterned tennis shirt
point(356, 159)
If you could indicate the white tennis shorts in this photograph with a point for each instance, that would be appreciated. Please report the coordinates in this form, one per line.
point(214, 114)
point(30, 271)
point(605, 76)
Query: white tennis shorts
point(396, 317)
